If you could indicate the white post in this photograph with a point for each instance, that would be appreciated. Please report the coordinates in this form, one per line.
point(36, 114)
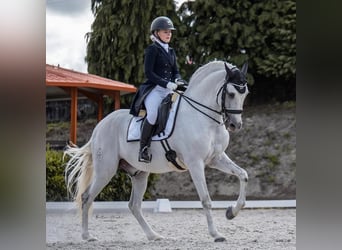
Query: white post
point(163, 206)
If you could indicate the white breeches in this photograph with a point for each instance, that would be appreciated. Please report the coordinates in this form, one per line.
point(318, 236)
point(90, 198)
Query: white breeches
point(152, 101)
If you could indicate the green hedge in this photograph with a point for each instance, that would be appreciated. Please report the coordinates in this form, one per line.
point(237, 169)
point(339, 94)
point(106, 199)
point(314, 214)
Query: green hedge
point(119, 188)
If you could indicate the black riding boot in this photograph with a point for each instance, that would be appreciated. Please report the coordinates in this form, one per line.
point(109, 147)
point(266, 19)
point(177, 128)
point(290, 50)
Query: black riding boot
point(145, 142)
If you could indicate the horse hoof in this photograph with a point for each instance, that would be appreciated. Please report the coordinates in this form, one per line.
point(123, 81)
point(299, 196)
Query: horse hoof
point(156, 238)
point(92, 239)
point(88, 237)
point(229, 213)
point(220, 239)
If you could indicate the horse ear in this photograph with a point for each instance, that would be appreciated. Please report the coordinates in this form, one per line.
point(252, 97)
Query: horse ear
point(229, 72)
point(244, 68)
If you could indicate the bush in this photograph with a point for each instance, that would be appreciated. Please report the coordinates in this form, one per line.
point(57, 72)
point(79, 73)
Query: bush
point(55, 182)
point(119, 188)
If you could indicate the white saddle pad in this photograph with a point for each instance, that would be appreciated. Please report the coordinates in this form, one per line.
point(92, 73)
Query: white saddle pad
point(134, 126)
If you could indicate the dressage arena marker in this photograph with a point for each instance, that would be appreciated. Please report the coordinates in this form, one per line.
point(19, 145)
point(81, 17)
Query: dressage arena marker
point(163, 206)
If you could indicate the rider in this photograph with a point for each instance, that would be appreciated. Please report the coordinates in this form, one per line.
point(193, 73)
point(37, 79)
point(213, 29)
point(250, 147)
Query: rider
point(162, 76)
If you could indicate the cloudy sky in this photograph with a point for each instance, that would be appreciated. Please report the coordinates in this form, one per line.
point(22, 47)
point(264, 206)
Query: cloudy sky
point(67, 22)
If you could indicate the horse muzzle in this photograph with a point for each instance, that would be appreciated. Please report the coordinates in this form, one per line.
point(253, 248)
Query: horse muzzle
point(233, 127)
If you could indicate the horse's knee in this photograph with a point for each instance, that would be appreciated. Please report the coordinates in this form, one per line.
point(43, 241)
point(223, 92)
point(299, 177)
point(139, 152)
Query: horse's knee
point(135, 209)
point(133, 206)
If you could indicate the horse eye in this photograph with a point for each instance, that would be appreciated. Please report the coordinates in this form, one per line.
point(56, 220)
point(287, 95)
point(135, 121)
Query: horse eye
point(231, 95)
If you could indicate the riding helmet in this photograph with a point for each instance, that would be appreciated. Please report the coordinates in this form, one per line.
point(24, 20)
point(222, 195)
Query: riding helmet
point(162, 23)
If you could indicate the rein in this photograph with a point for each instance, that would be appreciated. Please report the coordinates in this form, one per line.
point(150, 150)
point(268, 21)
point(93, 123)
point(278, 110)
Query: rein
point(224, 111)
point(189, 100)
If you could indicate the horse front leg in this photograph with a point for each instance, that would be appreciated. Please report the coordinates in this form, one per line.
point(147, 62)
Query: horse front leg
point(198, 177)
point(226, 165)
point(139, 185)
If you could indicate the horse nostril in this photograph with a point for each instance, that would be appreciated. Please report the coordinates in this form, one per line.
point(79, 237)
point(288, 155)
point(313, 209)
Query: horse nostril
point(237, 126)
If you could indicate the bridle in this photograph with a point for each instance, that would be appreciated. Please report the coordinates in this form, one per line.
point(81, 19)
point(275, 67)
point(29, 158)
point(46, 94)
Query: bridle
point(241, 88)
point(224, 112)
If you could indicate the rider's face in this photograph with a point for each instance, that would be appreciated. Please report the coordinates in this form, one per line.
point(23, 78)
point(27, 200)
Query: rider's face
point(165, 35)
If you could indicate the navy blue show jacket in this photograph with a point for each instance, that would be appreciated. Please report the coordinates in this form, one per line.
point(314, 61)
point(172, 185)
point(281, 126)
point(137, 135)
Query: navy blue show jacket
point(160, 68)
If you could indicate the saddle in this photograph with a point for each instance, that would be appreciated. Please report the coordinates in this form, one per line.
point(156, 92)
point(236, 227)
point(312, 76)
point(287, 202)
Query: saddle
point(163, 128)
point(164, 124)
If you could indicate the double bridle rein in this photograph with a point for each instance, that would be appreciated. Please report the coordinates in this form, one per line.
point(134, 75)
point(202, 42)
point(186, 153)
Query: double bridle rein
point(224, 112)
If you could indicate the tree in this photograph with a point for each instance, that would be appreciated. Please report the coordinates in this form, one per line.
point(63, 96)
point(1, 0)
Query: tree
point(215, 29)
point(276, 22)
point(262, 32)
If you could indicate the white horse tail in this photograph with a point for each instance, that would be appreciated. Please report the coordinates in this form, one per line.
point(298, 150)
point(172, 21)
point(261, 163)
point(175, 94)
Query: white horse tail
point(79, 170)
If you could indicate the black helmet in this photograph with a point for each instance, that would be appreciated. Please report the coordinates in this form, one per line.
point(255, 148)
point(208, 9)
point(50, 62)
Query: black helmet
point(162, 23)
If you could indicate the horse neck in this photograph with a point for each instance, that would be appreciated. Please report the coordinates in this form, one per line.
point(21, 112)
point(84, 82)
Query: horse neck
point(205, 90)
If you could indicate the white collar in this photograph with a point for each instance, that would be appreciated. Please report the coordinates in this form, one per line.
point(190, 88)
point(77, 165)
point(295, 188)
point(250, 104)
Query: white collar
point(164, 45)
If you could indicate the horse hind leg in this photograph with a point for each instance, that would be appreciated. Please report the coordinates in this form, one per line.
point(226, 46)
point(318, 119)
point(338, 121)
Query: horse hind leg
point(139, 185)
point(85, 206)
point(99, 181)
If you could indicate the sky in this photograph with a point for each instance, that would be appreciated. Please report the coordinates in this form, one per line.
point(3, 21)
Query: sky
point(67, 22)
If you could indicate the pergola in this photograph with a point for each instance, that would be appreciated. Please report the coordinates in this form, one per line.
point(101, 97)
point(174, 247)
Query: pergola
point(61, 83)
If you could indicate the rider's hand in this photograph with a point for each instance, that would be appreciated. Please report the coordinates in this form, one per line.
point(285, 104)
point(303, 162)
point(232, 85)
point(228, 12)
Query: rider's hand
point(181, 82)
point(171, 86)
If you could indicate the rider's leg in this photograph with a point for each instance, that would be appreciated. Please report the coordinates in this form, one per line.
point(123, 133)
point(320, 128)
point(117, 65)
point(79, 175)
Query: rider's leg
point(152, 102)
point(145, 141)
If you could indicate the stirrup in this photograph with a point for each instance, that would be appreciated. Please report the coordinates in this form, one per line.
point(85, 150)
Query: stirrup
point(144, 155)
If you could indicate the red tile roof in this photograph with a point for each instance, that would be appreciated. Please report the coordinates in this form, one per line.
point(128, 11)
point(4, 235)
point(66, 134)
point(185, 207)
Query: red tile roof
point(61, 77)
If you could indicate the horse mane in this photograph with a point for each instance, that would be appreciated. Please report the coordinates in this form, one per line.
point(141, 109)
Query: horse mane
point(211, 67)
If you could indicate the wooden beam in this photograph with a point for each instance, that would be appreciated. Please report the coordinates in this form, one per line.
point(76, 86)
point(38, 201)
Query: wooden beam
point(116, 100)
point(66, 89)
point(73, 113)
point(100, 108)
point(98, 98)
point(92, 96)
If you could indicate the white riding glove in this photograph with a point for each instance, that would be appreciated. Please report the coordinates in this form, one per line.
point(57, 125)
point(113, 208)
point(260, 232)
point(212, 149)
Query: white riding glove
point(171, 86)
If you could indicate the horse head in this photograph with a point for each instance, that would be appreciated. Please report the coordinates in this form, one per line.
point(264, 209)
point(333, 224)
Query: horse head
point(234, 92)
